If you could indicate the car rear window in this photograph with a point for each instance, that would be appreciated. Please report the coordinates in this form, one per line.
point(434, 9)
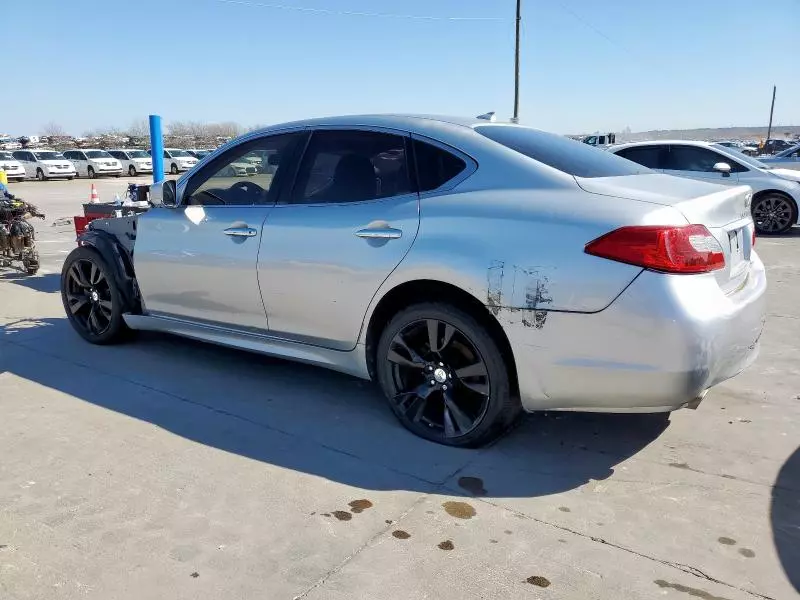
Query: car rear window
point(566, 155)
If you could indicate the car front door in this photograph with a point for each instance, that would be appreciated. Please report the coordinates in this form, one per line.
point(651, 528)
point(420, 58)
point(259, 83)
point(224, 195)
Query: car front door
point(197, 262)
point(352, 216)
point(698, 162)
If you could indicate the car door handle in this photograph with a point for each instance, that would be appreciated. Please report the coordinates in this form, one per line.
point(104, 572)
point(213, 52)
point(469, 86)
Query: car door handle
point(380, 233)
point(240, 231)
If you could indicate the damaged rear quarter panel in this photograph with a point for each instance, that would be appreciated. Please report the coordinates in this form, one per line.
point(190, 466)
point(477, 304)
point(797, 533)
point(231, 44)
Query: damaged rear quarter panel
point(519, 255)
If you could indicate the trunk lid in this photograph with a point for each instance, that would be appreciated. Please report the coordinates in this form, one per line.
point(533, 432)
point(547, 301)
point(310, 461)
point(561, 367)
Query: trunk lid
point(724, 210)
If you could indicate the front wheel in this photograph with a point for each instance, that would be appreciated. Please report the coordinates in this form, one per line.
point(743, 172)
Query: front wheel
point(40, 175)
point(445, 377)
point(132, 171)
point(174, 169)
point(90, 173)
point(773, 213)
point(91, 298)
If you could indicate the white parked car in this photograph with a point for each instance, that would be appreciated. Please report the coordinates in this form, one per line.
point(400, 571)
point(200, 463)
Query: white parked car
point(134, 162)
point(12, 167)
point(177, 160)
point(45, 164)
point(776, 192)
point(93, 163)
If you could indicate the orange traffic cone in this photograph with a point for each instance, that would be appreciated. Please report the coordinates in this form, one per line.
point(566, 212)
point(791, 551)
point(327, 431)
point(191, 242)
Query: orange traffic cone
point(93, 197)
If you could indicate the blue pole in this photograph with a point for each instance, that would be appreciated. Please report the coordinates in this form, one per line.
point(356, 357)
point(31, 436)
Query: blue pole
point(157, 148)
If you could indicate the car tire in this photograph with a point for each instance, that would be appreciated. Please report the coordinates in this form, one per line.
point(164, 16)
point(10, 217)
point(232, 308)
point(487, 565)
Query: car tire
point(174, 169)
point(91, 297)
point(132, 171)
point(40, 175)
point(773, 213)
point(70, 178)
point(90, 173)
point(470, 402)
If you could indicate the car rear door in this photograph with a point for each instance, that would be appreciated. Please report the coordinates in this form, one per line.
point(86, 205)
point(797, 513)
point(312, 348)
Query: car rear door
point(697, 162)
point(351, 217)
point(652, 156)
point(197, 262)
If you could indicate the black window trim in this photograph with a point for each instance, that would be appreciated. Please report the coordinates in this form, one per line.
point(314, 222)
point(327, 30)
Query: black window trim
point(289, 197)
point(468, 171)
point(184, 182)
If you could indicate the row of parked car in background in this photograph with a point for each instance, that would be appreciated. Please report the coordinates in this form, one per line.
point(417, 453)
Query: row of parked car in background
point(92, 162)
point(775, 180)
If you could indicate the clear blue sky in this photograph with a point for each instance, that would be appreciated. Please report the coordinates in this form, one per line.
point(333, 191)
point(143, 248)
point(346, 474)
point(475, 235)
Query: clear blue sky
point(586, 64)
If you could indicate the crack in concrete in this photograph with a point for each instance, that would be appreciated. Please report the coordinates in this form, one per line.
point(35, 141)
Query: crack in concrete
point(688, 569)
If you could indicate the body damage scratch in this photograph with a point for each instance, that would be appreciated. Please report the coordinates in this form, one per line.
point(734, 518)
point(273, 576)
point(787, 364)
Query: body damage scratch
point(531, 307)
point(494, 286)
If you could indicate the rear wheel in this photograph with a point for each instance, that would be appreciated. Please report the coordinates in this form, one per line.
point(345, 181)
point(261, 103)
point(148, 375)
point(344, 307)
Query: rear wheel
point(91, 298)
point(132, 171)
point(444, 376)
point(773, 213)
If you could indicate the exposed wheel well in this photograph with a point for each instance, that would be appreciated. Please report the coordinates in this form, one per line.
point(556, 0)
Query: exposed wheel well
point(414, 292)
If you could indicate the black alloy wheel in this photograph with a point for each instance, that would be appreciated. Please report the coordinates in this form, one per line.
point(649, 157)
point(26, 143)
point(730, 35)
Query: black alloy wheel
point(773, 213)
point(91, 298)
point(444, 376)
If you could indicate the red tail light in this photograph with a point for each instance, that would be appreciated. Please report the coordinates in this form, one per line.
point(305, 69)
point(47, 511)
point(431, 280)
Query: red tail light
point(753, 245)
point(666, 248)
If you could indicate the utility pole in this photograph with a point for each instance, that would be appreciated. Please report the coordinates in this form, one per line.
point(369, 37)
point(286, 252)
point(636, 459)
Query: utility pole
point(771, 109)
point(515, 119)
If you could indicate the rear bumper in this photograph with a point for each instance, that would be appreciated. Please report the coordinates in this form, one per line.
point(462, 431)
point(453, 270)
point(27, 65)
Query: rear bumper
point(661, 344)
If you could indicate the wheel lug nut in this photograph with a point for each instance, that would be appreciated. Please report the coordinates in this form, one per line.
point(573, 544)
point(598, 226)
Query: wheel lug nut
point(433, 382)
point(441, 364)
point(444, 387)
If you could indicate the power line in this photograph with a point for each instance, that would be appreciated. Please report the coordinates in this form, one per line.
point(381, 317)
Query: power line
point(353, 13)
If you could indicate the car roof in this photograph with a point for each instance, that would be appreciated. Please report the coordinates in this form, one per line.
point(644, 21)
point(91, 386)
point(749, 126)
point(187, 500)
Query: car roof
point(409, 122)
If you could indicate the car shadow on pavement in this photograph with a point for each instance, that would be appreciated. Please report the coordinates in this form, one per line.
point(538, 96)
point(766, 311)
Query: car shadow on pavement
point(312, 420)
point(785, 517)
point(47, 283)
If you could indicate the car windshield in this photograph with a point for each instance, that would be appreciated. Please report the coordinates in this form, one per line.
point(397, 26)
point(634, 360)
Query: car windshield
point(98, 154)
point(180, 153)
point(6, 156)
point(48, 155)
point(566, 155)
point(742, 157)
point(138, 154)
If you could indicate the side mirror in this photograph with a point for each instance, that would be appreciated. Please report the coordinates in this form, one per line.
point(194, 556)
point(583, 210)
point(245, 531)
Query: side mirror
point(724, 168)
point(164, 193)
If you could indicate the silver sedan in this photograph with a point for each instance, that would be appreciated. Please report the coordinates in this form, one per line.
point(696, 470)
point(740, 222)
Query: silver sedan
point(473, 269)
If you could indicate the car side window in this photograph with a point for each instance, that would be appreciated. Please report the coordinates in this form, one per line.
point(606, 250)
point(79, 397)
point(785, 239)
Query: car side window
point(435, 167)
point(651, 157)
point(244, 175)
point(352, 166)
point(694, 158)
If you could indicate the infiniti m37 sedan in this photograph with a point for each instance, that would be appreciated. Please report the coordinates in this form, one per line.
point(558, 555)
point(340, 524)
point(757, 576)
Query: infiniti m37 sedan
point(473, 269)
